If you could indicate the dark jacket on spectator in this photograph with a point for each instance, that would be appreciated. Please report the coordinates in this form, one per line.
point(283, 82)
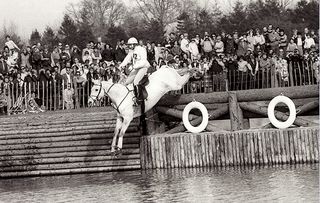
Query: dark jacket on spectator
point(46, 63)
point(30, 78)
point(120, 54)
point(215, 68)
point(107, 55)
point(3, 67)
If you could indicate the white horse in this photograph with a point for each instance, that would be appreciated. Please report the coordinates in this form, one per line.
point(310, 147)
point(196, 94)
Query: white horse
point(160, 82)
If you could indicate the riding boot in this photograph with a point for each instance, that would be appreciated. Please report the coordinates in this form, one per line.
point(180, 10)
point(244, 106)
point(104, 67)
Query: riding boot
point(136, 94)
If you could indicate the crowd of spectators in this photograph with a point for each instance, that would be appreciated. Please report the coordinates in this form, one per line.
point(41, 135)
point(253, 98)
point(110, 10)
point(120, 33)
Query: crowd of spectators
point(254, 51)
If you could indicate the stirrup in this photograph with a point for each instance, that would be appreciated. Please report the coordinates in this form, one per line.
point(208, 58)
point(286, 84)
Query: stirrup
point(135, 103)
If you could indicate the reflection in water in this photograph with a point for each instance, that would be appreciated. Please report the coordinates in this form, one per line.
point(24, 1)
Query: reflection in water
point(281, 184)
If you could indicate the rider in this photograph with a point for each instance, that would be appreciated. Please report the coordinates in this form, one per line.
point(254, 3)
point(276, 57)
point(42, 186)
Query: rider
point(137, 56)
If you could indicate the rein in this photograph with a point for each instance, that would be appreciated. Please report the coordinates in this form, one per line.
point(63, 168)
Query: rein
point(106, 93)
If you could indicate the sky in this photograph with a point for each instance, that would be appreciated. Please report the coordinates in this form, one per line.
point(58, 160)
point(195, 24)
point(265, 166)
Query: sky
point(28, 15)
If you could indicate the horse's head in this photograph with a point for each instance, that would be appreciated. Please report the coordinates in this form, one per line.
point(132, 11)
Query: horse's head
point(97, 92)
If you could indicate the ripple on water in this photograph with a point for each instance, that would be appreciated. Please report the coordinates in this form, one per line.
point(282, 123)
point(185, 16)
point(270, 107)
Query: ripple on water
point(281, 184)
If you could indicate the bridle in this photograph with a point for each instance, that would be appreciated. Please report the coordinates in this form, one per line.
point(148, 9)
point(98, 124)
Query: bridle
point(106, 93)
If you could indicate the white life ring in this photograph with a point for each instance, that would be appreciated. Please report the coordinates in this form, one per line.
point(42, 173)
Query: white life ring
point(292, 110)
point(205, 117)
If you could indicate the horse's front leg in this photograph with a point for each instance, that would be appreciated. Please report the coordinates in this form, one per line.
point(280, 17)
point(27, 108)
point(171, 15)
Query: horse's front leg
point(124, 127)
point(116, 133)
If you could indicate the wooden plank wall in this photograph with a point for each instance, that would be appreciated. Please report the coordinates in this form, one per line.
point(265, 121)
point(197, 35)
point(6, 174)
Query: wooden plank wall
point(241, 148)
point(64, 143)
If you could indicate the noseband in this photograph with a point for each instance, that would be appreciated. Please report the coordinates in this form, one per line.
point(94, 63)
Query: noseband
point(105, 93)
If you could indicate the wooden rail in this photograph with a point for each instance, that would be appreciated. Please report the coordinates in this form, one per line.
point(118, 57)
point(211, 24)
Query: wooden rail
point(240, 148)
point(64, 143)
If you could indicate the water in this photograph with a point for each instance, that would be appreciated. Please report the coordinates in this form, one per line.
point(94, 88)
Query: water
point(267, 184)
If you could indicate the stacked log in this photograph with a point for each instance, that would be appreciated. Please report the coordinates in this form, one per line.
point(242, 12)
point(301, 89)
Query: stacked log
point(240, 148)
point(64, 143)
point(308, 91)
point(243, 105)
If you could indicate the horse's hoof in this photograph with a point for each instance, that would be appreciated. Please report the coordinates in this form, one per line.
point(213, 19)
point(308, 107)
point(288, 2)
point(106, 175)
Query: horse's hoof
point(119, 151)
point(113, 153)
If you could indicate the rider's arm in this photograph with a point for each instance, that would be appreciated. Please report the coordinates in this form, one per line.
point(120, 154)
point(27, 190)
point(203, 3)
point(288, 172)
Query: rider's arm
point(126, 60)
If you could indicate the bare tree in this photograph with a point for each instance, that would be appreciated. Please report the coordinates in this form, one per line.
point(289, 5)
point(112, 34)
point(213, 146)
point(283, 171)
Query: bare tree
point(100, 14)
point(284, 4)
point(163, 11)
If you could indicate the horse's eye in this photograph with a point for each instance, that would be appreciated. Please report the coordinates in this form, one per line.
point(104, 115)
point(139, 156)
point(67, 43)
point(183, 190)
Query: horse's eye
point(96, 89)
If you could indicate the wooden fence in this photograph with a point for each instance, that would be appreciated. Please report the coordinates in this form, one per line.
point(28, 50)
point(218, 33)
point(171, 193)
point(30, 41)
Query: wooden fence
point(50, 94)
point(241, 148)
point(64, 143)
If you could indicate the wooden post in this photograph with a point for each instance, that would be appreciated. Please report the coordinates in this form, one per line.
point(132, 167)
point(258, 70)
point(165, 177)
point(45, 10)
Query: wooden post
point(76, 94)
point(62, 98)
point(236, 115)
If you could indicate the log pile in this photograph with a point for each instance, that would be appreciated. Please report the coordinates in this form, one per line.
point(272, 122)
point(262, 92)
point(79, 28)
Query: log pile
point(64, 143)
point(239, 106)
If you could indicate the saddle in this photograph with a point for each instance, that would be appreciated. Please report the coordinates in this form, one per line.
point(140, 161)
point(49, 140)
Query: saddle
point(142, 92)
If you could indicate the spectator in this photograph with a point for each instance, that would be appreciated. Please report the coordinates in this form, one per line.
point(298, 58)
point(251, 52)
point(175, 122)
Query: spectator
point(207, 45)
point(250, 40)
point(87, 49)
point(316, 67)
point(281, 68)
point(274, 40)
point(315, 38)
point(101, 44)
point(300, 43)
point(230, 45)
point(12, 59)
point(25, 59)
point(120, 52)
point(175, 50)
point(4, 69)
point(79, 79)
point(308, 43)
point(242, 46)
point(244, 66)
point(10, 44)
point(283, 40)
point(184, 45)
point(193, 49)
point(67, 77)
point(68, 95)
point(96, 55)
point(219, 46)
point(158, 52)
point(107, 55)
point(55, 57)
point(75, 54)
point(46, 58)
point(291, 47)
point(259, 40)
point(3, 103)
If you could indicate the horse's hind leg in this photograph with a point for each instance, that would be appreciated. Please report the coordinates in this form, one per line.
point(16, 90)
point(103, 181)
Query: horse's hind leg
point(116, 133)
point(125, 125)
